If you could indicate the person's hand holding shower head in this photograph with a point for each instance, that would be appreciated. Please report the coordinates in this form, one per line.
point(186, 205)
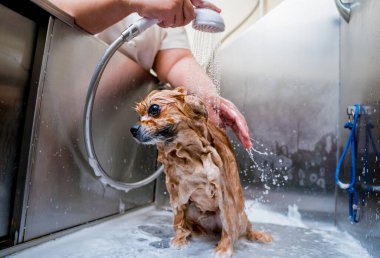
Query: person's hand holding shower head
point(97, 15)
point(170, 13)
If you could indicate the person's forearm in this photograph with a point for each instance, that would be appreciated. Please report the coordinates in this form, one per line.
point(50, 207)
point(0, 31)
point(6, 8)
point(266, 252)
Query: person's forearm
point(181, 69)
point(95, 15)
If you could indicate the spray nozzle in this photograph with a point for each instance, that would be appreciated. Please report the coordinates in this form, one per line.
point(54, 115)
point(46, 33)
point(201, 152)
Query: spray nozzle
point(206, 20)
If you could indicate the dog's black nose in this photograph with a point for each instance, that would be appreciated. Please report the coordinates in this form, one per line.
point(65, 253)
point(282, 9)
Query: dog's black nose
point(134, 129)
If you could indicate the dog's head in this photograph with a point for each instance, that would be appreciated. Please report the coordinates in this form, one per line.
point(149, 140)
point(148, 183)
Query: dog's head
point(164, 113)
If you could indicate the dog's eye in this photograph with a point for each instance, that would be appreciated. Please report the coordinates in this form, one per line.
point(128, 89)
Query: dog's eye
point(154, 110)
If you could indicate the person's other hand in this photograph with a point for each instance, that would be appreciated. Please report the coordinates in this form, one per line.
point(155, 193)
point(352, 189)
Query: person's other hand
point(170, 13)
point(229, 115)
point(205, 4)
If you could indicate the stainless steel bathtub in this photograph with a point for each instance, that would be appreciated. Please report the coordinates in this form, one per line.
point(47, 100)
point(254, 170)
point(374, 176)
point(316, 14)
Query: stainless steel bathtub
point(293, 74)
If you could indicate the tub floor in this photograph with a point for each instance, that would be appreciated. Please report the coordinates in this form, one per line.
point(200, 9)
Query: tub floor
point(147, 232)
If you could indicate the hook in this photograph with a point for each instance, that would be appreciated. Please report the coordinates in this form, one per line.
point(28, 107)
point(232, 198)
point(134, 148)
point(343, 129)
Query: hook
point(344, 10)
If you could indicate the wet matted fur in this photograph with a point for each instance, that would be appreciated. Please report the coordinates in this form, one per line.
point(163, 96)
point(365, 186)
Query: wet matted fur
point(202, 176)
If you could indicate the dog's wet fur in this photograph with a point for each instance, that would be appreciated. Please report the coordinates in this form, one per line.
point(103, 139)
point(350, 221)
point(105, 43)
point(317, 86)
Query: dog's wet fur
point(202, 176)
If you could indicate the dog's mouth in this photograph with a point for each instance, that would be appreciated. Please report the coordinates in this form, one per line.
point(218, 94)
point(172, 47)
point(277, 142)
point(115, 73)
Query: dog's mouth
point(145, 136)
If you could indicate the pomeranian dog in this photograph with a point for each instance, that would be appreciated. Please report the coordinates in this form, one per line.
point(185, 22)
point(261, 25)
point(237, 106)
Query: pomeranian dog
point(202, 176)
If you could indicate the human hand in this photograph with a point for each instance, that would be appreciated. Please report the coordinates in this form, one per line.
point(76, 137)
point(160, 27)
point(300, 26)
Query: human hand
point(229, 115)
point(170, 13)
point(205, 4)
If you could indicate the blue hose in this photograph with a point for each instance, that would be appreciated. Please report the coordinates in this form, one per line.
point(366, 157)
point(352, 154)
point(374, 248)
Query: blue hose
point(350, 187)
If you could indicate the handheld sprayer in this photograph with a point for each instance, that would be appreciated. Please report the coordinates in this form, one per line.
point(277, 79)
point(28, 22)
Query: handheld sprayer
point(206, 20)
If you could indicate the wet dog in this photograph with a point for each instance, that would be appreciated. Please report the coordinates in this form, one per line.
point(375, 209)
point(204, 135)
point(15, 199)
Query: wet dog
point(202, 176)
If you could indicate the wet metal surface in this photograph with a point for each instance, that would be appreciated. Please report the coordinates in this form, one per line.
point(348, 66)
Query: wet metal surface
point(360, 84)
point(283, 74)
point(146, 233)
point(63, 191)
point(16, 54)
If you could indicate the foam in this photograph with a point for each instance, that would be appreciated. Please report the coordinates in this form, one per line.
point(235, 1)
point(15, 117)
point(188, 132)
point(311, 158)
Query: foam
point(146, 233)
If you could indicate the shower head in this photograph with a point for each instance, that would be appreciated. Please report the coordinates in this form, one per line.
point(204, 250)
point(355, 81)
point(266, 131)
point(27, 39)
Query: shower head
point(208, 20)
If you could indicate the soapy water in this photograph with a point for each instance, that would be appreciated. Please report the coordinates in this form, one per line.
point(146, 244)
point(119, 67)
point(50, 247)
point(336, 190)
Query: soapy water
point(147, 232)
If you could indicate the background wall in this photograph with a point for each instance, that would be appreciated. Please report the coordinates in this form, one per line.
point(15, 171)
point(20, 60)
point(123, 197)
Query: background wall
point(238, 15)
point(283, 73)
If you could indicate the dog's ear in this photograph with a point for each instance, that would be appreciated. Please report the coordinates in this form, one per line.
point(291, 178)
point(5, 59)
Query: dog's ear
point(195, 107)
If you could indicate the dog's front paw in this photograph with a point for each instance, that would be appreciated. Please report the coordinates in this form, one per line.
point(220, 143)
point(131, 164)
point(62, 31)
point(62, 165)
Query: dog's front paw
point(178, 242)
point(259, 236)
point(224, 249)
point(223, 253)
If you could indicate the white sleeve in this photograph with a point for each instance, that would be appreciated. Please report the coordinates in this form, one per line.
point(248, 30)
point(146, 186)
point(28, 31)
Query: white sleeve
point(144, 48)
point(175, 38)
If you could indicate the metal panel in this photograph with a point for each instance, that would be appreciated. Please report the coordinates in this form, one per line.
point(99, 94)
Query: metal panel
point(55, 11)
point(360, 83)
point(283, 74)
point(16, 52)
point(63, 191)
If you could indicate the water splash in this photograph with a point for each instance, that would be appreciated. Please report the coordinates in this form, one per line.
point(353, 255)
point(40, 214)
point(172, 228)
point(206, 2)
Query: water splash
point(272, 168)
point(257, 151)
point(250, 154)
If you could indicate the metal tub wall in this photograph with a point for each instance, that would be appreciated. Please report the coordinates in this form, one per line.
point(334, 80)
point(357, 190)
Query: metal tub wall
point(17, 46)
point(360, 84)
point(286, 74)
point(283, 74)
point(62, 191)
